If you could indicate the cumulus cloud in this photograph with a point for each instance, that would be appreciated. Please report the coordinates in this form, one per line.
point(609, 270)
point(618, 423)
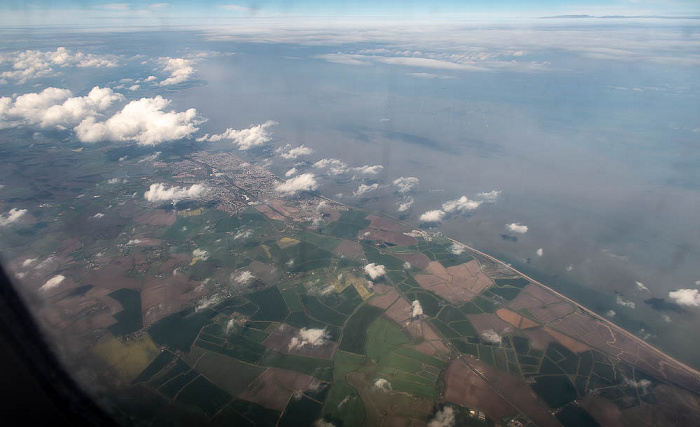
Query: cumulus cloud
point(642, 385)
point(490, 195)
point(243, 277)
point(31, 64)
point(333, 166)
point(443, 418)
point(52, 282)
point(687, 297)
point(461, 205)
point(144, 121)
point(293, 153)
point(55, 108)
point(491, 336)
point(416, 309)
point(180, 70)
point(540, 252)
point(406, 183)
point(205, 303)
point(254, 136)
point(382, 384)
point(457, 248)
point(303, 182)
point(621, 301)
point(641, 286)
point(368, 169)
point(375, 271)
point(159, 193)
point(405, 204)
point(610, 313)
point(432, 216)
point(569, 267)
point(29, 262)
point(309, 337)
point(12, 216)
point(291, 172)
point(516, 227)
point(201, 254)
point(98, 215)
point(362, 189)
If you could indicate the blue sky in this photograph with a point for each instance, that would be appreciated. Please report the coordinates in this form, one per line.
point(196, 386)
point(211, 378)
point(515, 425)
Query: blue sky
point(481, 8)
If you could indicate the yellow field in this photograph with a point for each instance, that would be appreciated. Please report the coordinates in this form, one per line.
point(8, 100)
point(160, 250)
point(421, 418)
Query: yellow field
point(359, 283)
point(190, 212)
point(127, 359)
point(286, 242)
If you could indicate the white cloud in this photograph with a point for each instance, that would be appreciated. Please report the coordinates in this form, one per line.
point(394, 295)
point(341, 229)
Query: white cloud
point(55, 108)
point(687, 297)
point(490, 195)
point(246, 139)
point(150, 79)
point(362, 189)
point(242, 278)
point(291, 172)
point(309, 337)
point(461, 205)
point(98, 215)
point(134, 87)
point(382, 384)
point(31, 64)
point(334, 166)
point(416, 309)
point(133, 242)
point(205, 303)
point(443, 418)
point(28, 262)
point(540, 252)
point(457, 248)
point(144, 121)
point(407, 265)
point(368, 170)
point(619, 300)
point(303, 182)
point(642, 385)
point(491, 336)
point(641, 286)
point(405, 204)
point(323, 423)
point(516, 227)
point(406, 183)
point(569, 267)
point(295, 152)
point(243, 234)
point(201, 254)
point(610, 313)
point(180, 70)
point(159, 193)
point(666, 318)
point(12, 216)
point(374, 271)
point(52, 282)
point(432, 216)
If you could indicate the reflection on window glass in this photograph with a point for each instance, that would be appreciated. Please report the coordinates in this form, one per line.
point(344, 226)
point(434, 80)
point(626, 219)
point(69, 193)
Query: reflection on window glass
point(359, 213)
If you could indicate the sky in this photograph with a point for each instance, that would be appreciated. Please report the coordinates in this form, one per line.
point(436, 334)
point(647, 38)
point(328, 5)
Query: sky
point(186, 12)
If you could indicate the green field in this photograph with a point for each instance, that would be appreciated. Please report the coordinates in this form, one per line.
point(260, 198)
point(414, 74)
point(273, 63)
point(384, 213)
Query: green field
point(348, 225)
point(129, 320)
point(178, 331)
point(355, 332)
point(205, 395)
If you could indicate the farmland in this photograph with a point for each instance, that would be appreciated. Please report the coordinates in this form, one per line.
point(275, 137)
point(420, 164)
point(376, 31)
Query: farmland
point(273, 314)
